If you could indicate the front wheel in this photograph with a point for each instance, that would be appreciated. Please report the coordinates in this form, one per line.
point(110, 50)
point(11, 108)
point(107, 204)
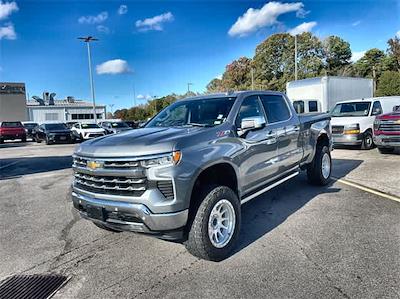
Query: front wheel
point(216, 225)
point(319, 170)
point(367, 142)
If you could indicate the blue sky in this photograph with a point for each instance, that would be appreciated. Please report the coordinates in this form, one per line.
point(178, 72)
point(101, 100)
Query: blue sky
point(159, 46)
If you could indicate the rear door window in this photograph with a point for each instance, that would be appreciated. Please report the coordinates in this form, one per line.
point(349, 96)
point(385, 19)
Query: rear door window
point(298, 106)
point(312, 106)
point(275, 107)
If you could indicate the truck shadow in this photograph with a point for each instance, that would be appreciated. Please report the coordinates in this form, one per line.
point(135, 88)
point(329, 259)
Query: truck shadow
point(266, 212)
point(17, 167)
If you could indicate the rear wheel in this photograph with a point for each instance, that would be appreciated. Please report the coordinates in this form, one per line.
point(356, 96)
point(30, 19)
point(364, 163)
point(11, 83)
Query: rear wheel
point(216, 225)
point(386, 150)
point(319, 171)
point(367, 142)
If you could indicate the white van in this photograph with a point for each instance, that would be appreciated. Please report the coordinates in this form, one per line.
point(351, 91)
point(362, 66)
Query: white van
point(353, 121)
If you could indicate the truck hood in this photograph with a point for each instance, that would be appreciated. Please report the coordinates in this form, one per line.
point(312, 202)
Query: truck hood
point(342, 121)
point(392, 116)
point(95, 130)
point(139, 142)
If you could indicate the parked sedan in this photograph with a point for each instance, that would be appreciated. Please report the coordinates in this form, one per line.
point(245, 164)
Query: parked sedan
point(53, 133)
point(29, 126)
point(87, 131)
point(113, 127)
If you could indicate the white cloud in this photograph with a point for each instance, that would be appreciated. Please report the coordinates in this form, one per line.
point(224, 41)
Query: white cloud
point(7, 8)
point(303, 27)
point(101, 17)
point(7, 32)
point(356, 23)
point(123, 9)
point(103, 29)
point(255, 19)
point(154, 23)
point(398, 34)
point(144, 97)
point(357, 55)
point(113, 67)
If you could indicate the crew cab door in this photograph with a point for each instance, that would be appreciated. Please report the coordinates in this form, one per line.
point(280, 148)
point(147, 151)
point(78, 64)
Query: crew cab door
point(286, 123)
point(257, 161)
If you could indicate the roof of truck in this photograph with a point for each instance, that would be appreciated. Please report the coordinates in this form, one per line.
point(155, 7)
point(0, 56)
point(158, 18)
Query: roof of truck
point(232, 94)
point(316, 80)
point(371, 99)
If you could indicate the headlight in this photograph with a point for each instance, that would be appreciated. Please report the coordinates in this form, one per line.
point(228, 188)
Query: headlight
point(377, 123)
point(51, 135)
point(168, 159)
point(352, 129)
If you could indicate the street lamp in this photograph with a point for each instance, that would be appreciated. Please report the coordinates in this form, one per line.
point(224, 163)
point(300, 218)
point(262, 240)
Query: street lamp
point(87, 40)
point(188, 85)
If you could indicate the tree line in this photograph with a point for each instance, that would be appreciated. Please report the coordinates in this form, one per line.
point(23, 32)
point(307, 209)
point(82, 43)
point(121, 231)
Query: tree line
point(273, 66)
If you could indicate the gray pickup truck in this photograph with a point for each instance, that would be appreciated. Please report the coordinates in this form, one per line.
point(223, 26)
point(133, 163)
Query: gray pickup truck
point(185, 175)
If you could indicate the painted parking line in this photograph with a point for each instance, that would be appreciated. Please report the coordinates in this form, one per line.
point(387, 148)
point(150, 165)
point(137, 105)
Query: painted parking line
point(366, 189)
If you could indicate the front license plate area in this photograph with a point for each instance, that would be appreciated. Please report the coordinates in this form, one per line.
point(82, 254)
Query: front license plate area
point(95, 212)
point(63, 138)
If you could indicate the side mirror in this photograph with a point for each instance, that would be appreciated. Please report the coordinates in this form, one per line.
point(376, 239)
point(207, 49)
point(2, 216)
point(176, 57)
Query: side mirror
point(251, 123)
point(377, 111)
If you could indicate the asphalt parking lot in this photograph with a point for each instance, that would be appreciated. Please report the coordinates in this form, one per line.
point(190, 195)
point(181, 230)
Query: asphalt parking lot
point(297, 240)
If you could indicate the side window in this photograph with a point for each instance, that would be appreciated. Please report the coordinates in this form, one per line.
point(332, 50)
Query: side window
point(376, 108)
point(250, 108)
point(275, 108)
point(298, 106)
point(312, 106)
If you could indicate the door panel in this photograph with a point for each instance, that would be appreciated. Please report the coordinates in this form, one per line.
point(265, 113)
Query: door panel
point(258, 159)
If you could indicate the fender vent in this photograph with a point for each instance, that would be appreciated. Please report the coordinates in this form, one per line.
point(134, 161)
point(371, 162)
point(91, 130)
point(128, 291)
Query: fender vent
point(166, 188)
point(36, 286)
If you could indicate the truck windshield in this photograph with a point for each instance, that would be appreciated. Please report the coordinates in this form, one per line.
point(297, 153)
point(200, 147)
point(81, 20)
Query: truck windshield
point(351, 109)
point(203, 112)
point(55, 127)
point(90, 126)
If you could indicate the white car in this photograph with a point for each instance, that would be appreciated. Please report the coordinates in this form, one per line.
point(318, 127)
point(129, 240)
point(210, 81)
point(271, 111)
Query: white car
point(87, 131)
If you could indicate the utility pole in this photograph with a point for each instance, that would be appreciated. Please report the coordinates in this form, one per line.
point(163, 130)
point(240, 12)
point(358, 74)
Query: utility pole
point(295, 57)
point(87, 40)
point(188, 85)
point(111, 109)
point(374, 76)
point(252, 79)
point(134, 94)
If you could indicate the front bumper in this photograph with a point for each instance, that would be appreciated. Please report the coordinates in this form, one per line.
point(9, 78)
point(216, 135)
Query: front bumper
point(125, 216)
point(350, 139)
point(387, 140)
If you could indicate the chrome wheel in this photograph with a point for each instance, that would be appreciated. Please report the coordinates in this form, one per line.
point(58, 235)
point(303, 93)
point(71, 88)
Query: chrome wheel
point(221, 223)
point(326, 165)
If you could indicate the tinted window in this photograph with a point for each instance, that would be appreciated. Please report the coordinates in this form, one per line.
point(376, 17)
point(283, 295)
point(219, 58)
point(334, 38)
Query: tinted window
point(11, 124)
point(298, 106)
point(275, 107)
point(351, 109)
point(55, 127)
point(312, 106)
point(89, 126)
point(30, 125)
point(376, 108)
point(119, 125)
point(250, 108)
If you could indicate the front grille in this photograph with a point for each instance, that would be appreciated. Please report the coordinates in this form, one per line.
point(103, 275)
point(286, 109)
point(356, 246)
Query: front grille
point(391, 139)
point(166, 188)
point(130, 181)
point(337, 129)
point(389, 126)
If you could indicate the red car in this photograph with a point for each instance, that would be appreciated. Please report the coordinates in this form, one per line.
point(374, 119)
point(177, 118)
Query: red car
point(10, 130)
point(387, 131)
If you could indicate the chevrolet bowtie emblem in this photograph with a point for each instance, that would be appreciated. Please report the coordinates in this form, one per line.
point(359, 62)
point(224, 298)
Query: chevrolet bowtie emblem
point(93, 165)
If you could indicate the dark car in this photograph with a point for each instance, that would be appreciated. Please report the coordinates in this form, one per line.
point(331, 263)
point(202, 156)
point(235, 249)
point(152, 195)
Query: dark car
point(113, 127)
point(11, 130)
point(29, 126)
point(133, 124)
point(53, 133)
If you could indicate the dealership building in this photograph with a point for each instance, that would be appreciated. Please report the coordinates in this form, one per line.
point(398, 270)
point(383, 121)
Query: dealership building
point(66, 110)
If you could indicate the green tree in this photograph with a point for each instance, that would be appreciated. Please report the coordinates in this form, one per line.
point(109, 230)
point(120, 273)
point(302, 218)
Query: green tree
point(394, 51)
point(310, 55)
point(337, 54)
point(215, 85)
point(237, 75)
point(389, 84)
point(372, 60)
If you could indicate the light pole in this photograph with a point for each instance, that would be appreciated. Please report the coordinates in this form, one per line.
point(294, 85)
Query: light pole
point(111, 109)
point(252, 79)
point(295, 57)
point(188, 85)
point(87, 40)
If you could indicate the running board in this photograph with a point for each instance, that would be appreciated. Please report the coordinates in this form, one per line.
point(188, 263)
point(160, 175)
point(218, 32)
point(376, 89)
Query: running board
point(250, 197)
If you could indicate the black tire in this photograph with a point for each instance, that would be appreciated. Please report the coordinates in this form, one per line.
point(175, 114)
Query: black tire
point(315, 170)
point(47, 140)
point(198, 242)
point(386, 150)
point(102, 226)
point(1, 140)
point(23, 139)
point(368, 141)
point(36, 138)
